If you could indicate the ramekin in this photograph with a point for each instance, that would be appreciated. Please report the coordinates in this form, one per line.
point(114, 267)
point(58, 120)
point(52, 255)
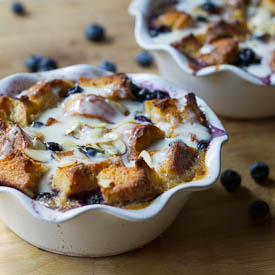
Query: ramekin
point(101, 230)
point(229, 90)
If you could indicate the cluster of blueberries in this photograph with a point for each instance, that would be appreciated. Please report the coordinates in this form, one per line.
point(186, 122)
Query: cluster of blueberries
point(93, 32)
point(259, 171)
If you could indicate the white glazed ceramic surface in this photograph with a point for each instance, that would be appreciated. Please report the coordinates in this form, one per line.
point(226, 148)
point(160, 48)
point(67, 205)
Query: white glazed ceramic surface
point(101, 230)
point(229, 90)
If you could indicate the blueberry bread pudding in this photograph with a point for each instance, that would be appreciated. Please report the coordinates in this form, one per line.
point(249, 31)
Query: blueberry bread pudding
point(102, 140)
point(214, 32)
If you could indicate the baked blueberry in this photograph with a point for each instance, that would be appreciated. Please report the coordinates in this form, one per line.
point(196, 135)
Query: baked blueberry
point(258, 209)
point(76, 89)
point(95, 199)
point(47, 64)
point(259, 171)
point(94, 32)
point(108, 66)
point(144, 59)
point(142, 118)
point(202, 145)
point(231, 180)
point(18, 8)
point(37, 124)
point(201, 19)
point(210, 7)
point(88, 151)
point(44, 196)
point(32, 62)
point(53, 146)
point(247, 57)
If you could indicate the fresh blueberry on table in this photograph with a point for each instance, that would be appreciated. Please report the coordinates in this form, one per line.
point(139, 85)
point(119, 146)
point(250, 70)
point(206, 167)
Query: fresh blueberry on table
point(18, 8)
point(231, 180)
point(259, 171)
point(210, 7)
point(144, 59)
point(89, 151)
point(32, 62)
point(53, 146)
point(76, 89)
point(37, 124)
point(247, 57)
point(95, 32)
point(47, 64)
point(108, 66)
point(258, 210)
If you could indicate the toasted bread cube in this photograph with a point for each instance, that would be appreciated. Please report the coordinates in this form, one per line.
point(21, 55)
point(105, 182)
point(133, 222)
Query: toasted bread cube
point(189, 45)
point(225, 52)
point(272, 62)
point(12, 137)
point(174, 19)
point(120, 185)
point(236, 3)
point(21, 172)
point(162, 110)
point(79, 177)
point(184, 163)
point(221, 29)
point(192, 112)
point(45, 94)
point(13, 110)
point(117, 86)
point(140, 137)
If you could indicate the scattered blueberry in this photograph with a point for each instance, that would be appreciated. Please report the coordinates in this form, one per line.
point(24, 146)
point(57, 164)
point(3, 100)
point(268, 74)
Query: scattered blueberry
point(202, 145)
point(230, 179)
point(18, 8)
point(259, 171)
point(258, 209)
point(247, 57)
point(144, 59)
point(76, 89)
point(201, 19)
point(37, 124)
point(95, 199)
point(142, 94)
point(47, 64)
point(108, 66)
point(210, 7)
point(94, 32)
point(142, 118)
point(53, 146)
point(89, 151)
point(32, 62)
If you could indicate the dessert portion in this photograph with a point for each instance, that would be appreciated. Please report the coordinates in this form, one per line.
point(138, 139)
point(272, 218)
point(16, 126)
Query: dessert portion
point(100, 140)
point(214, 32)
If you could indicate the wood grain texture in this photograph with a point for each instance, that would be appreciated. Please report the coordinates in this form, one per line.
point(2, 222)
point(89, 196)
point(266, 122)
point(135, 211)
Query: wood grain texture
point(213, 234)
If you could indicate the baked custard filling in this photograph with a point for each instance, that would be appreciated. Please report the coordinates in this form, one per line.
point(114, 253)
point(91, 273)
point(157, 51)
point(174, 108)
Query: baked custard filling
point(102, 140)
point(214, 32)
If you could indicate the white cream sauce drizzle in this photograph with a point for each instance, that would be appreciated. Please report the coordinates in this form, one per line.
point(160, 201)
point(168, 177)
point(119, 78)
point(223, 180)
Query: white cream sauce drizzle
point(260, 21)
point(74, 131)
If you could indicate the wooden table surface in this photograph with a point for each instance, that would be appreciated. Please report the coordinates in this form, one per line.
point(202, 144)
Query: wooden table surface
point(213, 234)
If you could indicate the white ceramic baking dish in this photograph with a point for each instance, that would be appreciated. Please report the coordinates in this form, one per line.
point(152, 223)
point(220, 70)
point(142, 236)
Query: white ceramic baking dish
point(229, 90)
point(101, 230)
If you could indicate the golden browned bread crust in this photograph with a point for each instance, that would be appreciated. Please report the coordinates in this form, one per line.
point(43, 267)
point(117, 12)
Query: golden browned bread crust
point(120, 85)
point(140, 137)
point(173, 19)
point(78, 177)
point(45, 94)
point(120, 185)
point(183, 162)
